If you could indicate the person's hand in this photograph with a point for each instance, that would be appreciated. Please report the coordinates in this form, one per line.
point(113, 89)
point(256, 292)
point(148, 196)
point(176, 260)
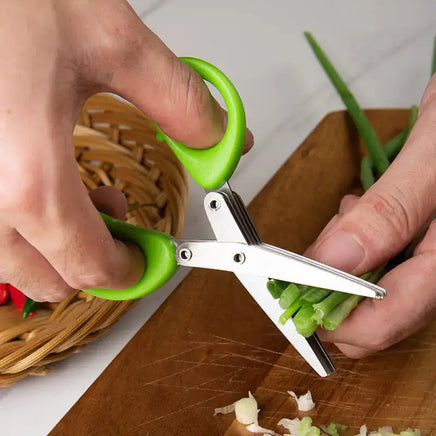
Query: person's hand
point(56, 54)
point(372, 229)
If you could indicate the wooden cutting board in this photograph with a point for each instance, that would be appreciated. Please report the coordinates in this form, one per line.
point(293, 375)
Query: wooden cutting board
point(210, 343)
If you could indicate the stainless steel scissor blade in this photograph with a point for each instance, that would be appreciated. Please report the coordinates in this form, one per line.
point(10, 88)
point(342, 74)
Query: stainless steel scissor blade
point(230, 222)
point(254, 262)
point(267, 261)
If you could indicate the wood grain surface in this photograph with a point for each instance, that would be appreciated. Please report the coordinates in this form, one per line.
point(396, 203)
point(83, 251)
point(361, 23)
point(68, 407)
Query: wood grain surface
point(210, 343)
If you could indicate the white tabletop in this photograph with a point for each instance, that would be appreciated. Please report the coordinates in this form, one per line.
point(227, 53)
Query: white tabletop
point(383, 50)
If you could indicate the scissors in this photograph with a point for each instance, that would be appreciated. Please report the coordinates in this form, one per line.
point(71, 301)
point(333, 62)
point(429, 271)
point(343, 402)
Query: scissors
point(238, 246)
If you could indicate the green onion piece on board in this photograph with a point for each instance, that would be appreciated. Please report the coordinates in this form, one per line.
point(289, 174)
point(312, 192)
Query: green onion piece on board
point(307, 429)
point(334, 429)
point(360, 120)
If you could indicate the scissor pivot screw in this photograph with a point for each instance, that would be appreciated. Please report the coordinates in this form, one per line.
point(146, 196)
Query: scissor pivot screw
point(214, 205)
point(185, 254)
point(239, 258)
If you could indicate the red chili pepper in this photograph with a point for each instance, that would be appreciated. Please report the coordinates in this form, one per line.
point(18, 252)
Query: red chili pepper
point(4, 293)
point(17, 297)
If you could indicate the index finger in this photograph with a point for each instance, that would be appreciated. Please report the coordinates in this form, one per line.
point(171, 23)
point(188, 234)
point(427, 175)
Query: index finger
point(69, 232)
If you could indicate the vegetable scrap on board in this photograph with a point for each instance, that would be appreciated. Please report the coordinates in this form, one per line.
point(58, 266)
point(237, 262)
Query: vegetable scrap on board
point(247, 413)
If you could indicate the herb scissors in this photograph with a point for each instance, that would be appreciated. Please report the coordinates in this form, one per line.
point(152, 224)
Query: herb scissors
point(238, 246)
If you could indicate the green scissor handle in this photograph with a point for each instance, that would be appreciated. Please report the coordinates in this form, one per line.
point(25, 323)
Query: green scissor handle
point(212, 167)
point(159, 251)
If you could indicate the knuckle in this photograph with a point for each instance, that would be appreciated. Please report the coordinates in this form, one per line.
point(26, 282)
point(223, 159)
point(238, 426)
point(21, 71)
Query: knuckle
point(22, 193)
point(100, 277)
point(187, 92)
point(347, 203)
point(391, 215)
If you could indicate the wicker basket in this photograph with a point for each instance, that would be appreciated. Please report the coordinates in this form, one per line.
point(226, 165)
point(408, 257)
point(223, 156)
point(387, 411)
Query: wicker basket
point(115, 145)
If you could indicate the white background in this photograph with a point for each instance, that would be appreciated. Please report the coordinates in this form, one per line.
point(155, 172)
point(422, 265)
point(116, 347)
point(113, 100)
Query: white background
point(383, 50)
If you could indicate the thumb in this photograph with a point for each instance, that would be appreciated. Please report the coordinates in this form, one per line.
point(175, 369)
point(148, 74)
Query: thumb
point(145, 72)
point(384, 220)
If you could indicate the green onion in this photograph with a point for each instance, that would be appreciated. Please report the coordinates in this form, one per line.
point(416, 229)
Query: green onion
point(310, 295)
point(325, 306)
point(276, 287)
point(304, 320)
point(289, 295)
point(314, 295)
point(394, 146)
point(360, 120)
point(366, 175)
point(332, 320)
point(334, 429)
point(391, 148)
point(307, 429)
point(413, 116)
point(290, 311)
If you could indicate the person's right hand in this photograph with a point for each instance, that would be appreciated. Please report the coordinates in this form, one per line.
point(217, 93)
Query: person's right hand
point(56, 54)
point(370, 230)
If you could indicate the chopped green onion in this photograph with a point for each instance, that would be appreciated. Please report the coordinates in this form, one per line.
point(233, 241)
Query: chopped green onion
point(334, 429)
point(360, 120)
point(289, 295)
point(306, 429)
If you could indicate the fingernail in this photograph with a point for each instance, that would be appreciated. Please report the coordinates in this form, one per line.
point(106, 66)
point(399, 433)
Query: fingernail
point(340, 250)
